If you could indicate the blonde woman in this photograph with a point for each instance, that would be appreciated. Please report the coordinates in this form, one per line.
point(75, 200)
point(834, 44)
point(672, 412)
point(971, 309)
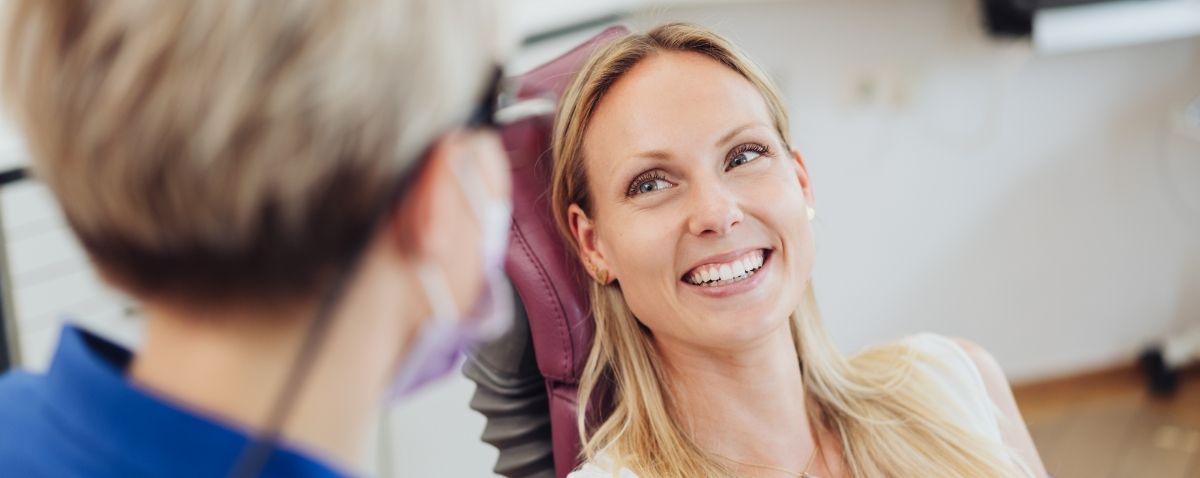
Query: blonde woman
point(676, 183)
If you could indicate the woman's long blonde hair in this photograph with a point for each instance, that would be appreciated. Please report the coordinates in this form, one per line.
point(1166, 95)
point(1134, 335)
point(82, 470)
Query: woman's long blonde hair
point(892, 419)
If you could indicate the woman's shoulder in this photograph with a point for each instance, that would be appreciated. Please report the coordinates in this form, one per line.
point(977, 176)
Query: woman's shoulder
point(946, 351)
point(949, 359)
point(601, 466)
point(975, 377)
point(962, 369)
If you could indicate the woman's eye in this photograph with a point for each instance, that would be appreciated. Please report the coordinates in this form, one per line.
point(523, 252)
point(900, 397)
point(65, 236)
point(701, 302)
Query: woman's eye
point(743, 158)
point(651, 185)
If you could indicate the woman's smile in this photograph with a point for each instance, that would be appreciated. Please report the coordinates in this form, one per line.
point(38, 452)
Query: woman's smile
point(729, 274)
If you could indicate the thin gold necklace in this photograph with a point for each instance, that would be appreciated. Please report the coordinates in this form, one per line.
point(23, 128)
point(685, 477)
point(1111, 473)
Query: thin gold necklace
point(802, 474)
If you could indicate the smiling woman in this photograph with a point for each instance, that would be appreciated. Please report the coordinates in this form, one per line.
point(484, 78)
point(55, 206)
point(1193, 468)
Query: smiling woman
point(675, 182)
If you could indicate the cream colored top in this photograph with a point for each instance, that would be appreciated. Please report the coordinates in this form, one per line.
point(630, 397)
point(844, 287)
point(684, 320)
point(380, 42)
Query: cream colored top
point(958, 374)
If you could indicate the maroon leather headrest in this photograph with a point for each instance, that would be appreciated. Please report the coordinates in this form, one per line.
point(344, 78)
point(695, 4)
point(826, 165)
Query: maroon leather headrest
point(539, 263)
point(541, 266)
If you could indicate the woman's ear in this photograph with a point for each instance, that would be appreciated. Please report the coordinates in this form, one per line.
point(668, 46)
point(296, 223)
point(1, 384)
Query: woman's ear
point(802, 176)
point(583, 229)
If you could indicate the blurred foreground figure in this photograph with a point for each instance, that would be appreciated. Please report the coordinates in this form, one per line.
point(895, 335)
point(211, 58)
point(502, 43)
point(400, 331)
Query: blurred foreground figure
point(308, 199)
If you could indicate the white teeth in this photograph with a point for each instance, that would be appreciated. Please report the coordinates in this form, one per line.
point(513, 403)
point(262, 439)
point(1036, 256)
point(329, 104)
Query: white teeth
point(737, 269)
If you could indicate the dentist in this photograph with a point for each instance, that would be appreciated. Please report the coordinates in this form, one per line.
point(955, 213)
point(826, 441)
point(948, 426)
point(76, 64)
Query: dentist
point(307, 199)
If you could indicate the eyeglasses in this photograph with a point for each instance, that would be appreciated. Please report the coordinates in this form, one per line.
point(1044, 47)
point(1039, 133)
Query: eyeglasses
point(484, 115)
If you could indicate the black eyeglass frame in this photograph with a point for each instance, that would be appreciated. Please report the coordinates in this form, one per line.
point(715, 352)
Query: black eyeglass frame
point(484, 114)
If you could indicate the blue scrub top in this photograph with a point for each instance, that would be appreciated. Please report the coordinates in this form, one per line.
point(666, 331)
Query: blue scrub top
point(84, 418)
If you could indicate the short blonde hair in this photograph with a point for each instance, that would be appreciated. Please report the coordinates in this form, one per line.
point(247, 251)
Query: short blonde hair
point(228, 148)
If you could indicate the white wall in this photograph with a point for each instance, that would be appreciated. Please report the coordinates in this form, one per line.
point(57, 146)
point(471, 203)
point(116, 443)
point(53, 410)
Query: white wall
point(1041, 206)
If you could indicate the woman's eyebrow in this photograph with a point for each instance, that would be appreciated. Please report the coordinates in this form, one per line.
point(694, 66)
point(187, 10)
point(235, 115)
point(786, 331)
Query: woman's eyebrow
point(640, 162)
point(663, 155)
point(734, 132)
point(658, 154)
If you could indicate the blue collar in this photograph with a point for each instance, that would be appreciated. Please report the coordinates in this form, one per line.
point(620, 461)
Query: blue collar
point(139, 430)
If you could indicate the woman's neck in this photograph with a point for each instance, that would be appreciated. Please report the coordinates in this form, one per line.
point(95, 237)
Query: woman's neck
point(233, 365)
point(746, 404)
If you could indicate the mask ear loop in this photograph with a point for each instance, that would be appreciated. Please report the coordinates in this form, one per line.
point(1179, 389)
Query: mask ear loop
point(437, 289)
point(472, 185)
point(433, 282)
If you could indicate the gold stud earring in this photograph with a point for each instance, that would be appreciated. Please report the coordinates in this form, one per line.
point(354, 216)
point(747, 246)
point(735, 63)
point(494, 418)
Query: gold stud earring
point(812, 213)
point(598, 274)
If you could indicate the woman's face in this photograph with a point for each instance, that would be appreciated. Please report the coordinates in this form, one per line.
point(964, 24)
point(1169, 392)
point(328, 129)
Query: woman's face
point(698, 210)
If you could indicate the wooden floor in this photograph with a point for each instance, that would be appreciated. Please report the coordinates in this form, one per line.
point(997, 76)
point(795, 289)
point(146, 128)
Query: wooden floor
point(1106, 425)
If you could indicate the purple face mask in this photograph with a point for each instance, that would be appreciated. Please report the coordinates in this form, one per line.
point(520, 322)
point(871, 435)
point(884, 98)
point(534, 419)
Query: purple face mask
point(443, 339)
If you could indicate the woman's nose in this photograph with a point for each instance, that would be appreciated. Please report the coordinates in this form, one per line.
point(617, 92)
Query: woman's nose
point(715, 209)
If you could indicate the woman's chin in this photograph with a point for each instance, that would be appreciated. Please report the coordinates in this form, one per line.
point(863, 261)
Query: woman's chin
point(747, 331)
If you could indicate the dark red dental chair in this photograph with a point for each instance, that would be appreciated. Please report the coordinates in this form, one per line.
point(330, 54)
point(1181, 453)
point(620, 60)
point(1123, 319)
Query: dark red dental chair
point(527, 380)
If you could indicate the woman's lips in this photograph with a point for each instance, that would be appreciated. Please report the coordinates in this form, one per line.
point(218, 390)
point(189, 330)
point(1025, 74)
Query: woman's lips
point(736, 286)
